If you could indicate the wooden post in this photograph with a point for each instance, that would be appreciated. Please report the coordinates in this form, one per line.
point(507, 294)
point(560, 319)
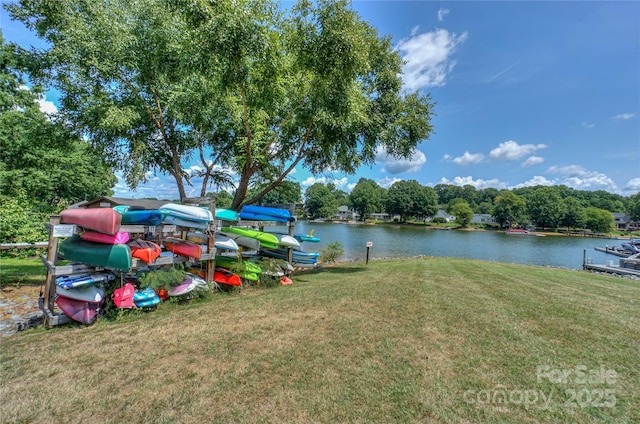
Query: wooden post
point(52, 258)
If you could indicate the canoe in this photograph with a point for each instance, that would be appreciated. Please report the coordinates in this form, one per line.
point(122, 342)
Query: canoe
point(85, 294)
point(79, 280)
point(226, 215)
point(151, 217)
point(78, 310)
point(182, 247)
point(96, 237)
point(189, 213)
point(267, 240)
point(103, 220)
point(116, 256)
point(262, 210)
point(242, 241)
point(224, 276)
point(145, 250)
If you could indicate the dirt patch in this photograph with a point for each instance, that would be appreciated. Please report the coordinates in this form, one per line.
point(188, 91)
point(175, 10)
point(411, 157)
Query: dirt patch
point(17, 305)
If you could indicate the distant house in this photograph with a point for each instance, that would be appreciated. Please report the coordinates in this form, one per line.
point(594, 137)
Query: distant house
point(483, 218)
point(383, 216)
point(110, 202)
point(442, 214)
point(346, 214)
point(623, 222)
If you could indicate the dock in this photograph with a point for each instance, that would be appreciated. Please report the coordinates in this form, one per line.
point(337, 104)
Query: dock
point(629, 267)
point(614, 251)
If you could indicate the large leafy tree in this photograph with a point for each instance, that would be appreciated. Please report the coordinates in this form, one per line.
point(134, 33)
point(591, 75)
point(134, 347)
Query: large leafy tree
point(321, 201)
point(367, 197)
point(545, 207)
point(509, 208)
point(409, 198)
point(634, 207)
point(153, 81)
point(461, 210)
point(40, 161)
point(574, 216)
point(599, 220)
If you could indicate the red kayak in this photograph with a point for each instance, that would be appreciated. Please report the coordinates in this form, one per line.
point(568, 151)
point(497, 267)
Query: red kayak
point(182, 247)
point(145, 250)
point(102, 220)
point(223, 276)
point(117, 238)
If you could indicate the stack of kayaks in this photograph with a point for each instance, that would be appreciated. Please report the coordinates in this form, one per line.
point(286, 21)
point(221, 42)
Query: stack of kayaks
point(299, 257)
point(261, 213)
point(186, 216)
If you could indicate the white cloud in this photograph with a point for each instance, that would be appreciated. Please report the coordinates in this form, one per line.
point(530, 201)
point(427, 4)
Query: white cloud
point(478, 184)
point(47, 107)
point(633, 185)
point(532, 160)
point(414, 30)
point(588, 124)
point(341, 183)
point(577, 177)
point(510, 150)
point(465, 159)
point(387, 182)
point(399, 166)
point(536, 181)
point(624, 116)
point(442, 12)
point(428, 58)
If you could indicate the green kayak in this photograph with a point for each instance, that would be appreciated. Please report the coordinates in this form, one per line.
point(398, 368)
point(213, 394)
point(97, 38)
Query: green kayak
point(115, 256)
point(267, 240)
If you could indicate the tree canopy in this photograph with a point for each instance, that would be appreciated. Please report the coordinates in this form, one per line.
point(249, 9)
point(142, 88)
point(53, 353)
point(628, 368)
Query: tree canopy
point(367, 197)
point(40, 161)
point(242, 84)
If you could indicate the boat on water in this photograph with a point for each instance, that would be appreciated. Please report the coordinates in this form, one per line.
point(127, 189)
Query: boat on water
point(521, 232)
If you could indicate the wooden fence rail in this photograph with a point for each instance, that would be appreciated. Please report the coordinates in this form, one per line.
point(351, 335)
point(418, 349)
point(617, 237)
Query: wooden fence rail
point(38, 244)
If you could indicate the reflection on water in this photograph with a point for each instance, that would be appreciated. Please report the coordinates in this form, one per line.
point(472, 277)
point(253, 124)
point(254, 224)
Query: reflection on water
point(393, 241)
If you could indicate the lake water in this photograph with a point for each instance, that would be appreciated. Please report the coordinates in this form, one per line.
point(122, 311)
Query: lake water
point(396, 241)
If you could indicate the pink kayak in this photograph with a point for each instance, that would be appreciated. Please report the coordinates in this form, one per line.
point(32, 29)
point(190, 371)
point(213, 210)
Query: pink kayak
point(117, 238)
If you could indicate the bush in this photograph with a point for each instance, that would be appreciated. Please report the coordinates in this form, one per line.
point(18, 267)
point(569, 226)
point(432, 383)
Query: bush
point(439, 220)
point(332, 252)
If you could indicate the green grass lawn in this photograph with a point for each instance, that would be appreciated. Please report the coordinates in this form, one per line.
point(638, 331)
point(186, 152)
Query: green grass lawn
point(419, 340)
point(17, 271)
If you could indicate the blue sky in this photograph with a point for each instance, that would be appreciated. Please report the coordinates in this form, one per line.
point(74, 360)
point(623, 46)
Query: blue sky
point(526, 93)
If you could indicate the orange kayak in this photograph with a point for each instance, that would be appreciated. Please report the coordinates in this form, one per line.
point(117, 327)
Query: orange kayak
point(182, 247)
point(145, 250)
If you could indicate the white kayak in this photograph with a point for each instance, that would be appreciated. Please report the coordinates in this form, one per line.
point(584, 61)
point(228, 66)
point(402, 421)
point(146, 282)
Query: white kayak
point(86, 294)
point(191, 213)
point(286, 240)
